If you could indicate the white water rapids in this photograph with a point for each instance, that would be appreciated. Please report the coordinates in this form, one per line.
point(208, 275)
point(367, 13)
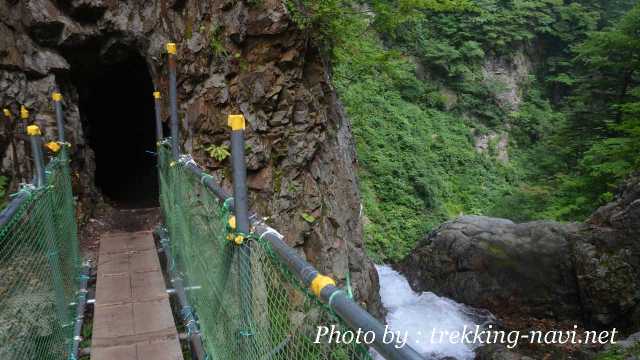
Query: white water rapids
point(422, 314)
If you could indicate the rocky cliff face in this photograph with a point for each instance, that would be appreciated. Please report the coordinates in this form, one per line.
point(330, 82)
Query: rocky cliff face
point(234, 56)
point(579, 272)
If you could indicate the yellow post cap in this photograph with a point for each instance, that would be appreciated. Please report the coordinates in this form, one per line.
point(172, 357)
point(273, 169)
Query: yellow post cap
point(33, 130)
point(171, 48)
point(232, 222)
point(56, 96)
point(24, 113)
point(236, 122)
point(6, 112)
point(320, 282)
point(156, 94)
point(53, 146)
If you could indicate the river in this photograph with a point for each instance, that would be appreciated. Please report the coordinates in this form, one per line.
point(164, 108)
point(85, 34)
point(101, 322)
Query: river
point(425, 316)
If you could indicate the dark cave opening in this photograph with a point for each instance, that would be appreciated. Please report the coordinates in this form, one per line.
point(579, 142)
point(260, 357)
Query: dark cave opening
point(118, 112)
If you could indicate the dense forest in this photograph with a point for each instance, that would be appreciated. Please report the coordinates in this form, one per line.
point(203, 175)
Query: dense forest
point(525, 109)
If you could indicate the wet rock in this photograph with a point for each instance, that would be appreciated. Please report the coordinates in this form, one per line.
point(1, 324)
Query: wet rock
point(268, 20)
point(43, 21)
point(582, 272)
point(195, 43)
point(88, 10)
point(631, 341)
point(607, 261)
point(497, 264)
point(235, 22)
point(511, 73)
point(44, 62)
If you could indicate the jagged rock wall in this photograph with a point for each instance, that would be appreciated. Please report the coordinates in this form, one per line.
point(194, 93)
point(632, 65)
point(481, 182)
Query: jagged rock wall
point(234, 56)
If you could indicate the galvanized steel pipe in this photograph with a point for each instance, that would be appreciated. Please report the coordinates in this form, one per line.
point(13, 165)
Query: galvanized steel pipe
point(241, 206)
point(82, 302)
point(173, 100)
point(178, 286)
point(57, 102)
point(156, 100)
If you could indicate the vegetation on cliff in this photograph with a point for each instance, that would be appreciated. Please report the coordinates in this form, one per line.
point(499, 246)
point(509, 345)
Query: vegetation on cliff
point(416, 80)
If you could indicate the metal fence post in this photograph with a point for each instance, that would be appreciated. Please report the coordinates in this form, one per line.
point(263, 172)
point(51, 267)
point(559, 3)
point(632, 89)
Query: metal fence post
point(69, 205)
point(53, 250)
point(195, 337)
point(173, 101)
point(14, 150)
point(156, 100)
point(22, 133)
point(36, 150)
point(237, 124)
point(85, 275)
point(57, 103)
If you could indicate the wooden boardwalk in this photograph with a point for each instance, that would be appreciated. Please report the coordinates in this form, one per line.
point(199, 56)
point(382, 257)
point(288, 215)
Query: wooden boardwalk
point(133, 319)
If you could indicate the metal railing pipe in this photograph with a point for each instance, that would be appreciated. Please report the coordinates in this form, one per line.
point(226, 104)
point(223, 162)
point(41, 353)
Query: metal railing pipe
point(34, 133)
point(69, 205)
point(188, 317)
point(241, 206)
point(209, 182)
point(173, 100)
point(12, 208)
point(348, 310)
point(156, 100)
point(53, 255)
point(80, 308)
point(353, 314)
point(57, 102)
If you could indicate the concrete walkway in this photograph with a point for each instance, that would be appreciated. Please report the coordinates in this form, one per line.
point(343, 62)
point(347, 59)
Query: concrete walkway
point(133, 319)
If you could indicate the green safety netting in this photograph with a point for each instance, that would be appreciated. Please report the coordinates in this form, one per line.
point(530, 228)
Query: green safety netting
point(256, 310)
point(39, 270)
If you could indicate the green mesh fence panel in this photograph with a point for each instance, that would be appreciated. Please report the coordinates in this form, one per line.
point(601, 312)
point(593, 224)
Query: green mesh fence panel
point(285, 315)
point(39, 271)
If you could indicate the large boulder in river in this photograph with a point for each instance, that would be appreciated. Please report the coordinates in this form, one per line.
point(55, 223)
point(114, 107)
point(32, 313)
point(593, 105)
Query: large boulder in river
point(581, 271)
point(497, 264)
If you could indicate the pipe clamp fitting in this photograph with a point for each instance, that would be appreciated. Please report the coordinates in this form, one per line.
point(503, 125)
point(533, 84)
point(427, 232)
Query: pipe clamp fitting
point(320, 282)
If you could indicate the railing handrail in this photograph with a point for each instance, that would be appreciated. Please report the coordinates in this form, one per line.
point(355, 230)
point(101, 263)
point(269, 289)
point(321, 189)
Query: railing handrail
point(333, 296)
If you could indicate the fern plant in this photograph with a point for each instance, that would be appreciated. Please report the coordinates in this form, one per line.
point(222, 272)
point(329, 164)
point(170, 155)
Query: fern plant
point(218, 153)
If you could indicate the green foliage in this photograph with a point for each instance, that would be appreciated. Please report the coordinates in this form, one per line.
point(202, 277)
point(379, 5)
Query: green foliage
point(418, 164)
point(327, 19)
point(412, 76)
point(216, 43)
point(619, 353)
point(392, 14)
point(308, 218)
point(218, 153)
point(602, 134)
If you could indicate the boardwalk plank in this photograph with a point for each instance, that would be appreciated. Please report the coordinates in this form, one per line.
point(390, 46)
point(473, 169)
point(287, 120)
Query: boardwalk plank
point(133, 319)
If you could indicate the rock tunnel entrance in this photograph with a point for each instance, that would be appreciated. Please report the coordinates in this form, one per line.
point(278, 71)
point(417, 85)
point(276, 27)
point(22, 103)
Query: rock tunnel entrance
point(118, 112)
